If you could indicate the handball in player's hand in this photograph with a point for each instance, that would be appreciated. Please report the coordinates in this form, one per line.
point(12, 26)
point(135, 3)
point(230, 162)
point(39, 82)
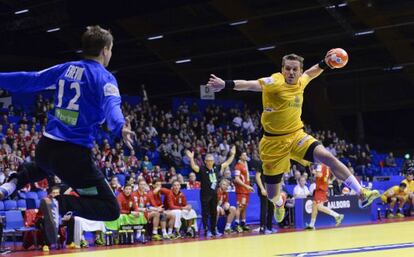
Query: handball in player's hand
point(216, 83)
point(336, 58)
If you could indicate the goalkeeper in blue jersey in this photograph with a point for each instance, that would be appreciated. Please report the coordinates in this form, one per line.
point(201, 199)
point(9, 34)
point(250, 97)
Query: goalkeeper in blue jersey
point(86, 96)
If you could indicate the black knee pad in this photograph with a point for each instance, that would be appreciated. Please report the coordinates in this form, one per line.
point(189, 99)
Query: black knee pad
point(309, 153)
point(275, 179)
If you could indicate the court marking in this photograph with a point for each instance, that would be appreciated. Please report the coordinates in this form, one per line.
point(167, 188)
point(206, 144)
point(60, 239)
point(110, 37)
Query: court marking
point(350, 250)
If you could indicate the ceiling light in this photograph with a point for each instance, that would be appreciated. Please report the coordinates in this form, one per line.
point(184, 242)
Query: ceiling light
point(21, 11)
point(52, 30)
point(238, 23)
point(266, 48)
point(364, 32)
point(155, 37)
point(183, 61)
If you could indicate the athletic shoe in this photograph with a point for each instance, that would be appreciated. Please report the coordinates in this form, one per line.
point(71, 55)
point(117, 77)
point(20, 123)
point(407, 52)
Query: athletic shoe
point(367, 197)
point(280, 213)
point(71, 246)
point(177, 235)
point(239, 229)
point(309, 227)
point(245, 228)
point(45, 248)
point(390, 215)
point(156, 237)
point(208, 234)
point(84, 244)
point(270, 231)
point(166, 236)
point(190, 233)
point(217, 234)
point(339, 219)
point(400, 215)
point(228, 231)
point(99, 241)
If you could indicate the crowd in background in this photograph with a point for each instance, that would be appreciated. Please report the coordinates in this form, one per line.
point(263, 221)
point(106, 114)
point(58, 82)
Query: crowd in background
point(163, 136)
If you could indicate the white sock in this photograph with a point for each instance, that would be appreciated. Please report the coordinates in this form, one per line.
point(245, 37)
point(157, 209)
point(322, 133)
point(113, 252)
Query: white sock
point(279, 202)
point(170, 231)
point(164, 231)
point(228, 225)
point(155, 231)
point(237, 221)
point(138, 233)
point(334, 214)
point(312, 223)
point(353, 183)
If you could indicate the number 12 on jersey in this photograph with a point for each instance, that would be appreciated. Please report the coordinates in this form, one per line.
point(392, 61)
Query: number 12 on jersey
point(70, 113)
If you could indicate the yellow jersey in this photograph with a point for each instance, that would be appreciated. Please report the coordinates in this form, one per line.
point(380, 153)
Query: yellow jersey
point(282, 104)
point(395, 191)
point(410, 185)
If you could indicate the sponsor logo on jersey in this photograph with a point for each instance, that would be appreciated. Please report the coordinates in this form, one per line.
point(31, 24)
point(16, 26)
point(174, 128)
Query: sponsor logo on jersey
point(111, 90)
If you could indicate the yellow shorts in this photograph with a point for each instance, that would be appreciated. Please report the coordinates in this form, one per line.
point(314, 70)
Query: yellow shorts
point(276, 151)
point(387, 199)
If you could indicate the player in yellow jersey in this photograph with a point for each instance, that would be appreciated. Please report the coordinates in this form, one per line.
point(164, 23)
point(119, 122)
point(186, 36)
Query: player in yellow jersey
point(392, 196)
point(410, 188)
point(284, 138)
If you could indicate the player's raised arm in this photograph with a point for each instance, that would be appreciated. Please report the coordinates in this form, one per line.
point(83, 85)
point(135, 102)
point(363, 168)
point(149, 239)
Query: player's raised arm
point(27, 82)
point(217, 84)
point(334, 58)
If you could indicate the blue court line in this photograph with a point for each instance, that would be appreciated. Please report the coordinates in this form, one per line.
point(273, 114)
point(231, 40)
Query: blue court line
point(350, 250)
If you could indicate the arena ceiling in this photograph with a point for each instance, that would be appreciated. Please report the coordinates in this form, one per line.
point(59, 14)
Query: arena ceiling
point(173, 46)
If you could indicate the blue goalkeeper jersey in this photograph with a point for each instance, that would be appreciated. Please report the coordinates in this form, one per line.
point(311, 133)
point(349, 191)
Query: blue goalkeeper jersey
point(86, 95)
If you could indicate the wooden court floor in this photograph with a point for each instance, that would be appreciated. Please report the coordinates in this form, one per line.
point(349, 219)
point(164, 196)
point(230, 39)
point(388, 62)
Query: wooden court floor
point(390, 239)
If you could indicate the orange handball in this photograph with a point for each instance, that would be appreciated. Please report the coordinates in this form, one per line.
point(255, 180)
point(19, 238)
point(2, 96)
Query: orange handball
point(338, 58)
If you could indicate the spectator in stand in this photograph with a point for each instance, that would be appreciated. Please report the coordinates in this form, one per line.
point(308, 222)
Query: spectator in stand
point(146, 175)
point(390, 160)
point(209, 176)
point(363, 162)
point(169, 174)
point(408, 164)
point(338, 187)
point(301, 190)
point(176, 156)
point(227, 175)
point(151, 131)
point(223, 206)
point(293, 180)
point(157, 174)
point(243, 189)
point(41, 185)
point(395, 194)
point(144, 96)
point(115, 186)
point(108, 171)
point(192, 182)
point(146, 163)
